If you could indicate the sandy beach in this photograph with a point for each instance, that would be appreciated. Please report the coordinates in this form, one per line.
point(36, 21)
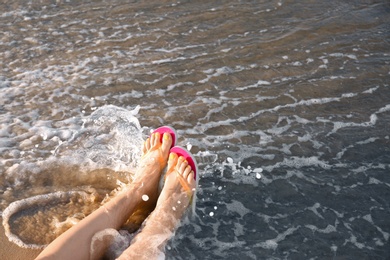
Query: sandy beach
point(284, 104)
point(11, 251)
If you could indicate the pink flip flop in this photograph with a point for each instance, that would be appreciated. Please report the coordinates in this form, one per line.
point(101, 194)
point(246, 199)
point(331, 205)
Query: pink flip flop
point(180, 151)
point(169, 130)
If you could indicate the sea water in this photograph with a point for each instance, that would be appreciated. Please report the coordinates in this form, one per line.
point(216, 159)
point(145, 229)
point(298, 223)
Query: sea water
point(285, 105)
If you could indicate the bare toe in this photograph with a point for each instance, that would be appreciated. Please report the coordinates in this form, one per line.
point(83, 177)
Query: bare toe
point(155, 139)
point(187, 172)
point(172, 160)
point(166, 143)
point(146, 146)
point(182, 167)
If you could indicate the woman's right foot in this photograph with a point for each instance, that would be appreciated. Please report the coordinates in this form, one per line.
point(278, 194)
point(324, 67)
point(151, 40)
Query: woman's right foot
point(179, 187)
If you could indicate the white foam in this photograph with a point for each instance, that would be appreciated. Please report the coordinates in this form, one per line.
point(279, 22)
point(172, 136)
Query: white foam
point(238, 207)
point(273, 243)
point(371, 90)
point(328, 229)
point(110, 240)
point(371, 122)
point(206, 157)
point(256, 85)
point(19, 205)
point(353, 240)
point(338, 55)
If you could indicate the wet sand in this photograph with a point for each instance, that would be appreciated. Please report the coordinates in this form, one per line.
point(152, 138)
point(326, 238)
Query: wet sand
point(288, 101)
point(10, 251)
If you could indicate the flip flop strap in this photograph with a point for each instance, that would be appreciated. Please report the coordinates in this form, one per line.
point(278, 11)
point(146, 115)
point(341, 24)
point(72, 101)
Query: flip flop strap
point(182, 181)
point(160, 159)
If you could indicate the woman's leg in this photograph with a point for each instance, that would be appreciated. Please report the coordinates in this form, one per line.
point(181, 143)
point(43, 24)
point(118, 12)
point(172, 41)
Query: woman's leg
point(171, 205)
point(75, 242)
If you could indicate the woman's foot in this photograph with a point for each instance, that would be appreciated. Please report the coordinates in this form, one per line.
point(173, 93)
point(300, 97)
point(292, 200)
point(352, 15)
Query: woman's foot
point(179, 187)
point(153, 160)
point(173, 201)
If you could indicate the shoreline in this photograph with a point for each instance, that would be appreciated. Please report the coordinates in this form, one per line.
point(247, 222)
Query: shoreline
point(11, 251)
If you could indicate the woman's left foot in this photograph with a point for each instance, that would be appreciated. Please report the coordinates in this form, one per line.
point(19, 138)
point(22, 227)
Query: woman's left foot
point(153, 161)
point(147, 177)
